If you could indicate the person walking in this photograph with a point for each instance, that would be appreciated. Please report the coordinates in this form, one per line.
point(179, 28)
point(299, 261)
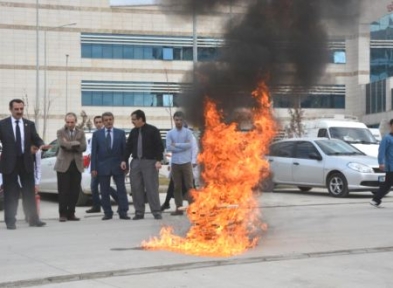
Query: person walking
point(17, 135)
point(385, 160)
point(145, 145)
point(69, 166)
point(96, 208)
point(108, 149)
point(179, 142)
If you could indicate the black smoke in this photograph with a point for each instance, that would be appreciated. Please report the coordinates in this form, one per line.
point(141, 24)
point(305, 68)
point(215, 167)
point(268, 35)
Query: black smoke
point(277, 41)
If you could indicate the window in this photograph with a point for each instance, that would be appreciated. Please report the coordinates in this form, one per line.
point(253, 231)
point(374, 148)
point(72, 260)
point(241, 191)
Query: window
point(168, 53)
point(376, 97)
point(304, 149)
point(282, 149)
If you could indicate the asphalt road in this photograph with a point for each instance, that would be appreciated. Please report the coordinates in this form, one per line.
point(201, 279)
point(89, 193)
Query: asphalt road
point(313, 240)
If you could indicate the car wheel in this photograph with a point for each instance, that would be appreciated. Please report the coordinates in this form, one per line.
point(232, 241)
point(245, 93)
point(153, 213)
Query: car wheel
point(83, 199)
point(304, 189)
point(337, 185)
point(267, 185)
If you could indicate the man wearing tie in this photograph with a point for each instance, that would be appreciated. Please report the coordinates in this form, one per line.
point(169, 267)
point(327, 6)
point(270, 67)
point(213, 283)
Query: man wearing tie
point(69, 166)
point(107, 151)
point(17, 135)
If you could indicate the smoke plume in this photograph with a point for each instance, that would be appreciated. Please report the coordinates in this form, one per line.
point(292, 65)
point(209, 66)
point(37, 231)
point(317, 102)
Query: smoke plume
point(276, 41)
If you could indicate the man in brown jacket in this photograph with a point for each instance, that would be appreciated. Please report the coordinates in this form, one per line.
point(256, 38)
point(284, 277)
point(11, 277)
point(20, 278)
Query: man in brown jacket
point(69, 166)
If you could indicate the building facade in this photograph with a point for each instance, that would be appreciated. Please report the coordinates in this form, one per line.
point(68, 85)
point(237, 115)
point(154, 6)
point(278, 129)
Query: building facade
point(94, 57)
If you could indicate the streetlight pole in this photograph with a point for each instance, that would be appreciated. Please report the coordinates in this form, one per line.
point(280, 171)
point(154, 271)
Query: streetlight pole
point(37, 77)
point(66, 98)
point(45, 78)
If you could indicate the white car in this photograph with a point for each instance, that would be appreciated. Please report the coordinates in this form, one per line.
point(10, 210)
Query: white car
point(321, 162)
point(48, 183)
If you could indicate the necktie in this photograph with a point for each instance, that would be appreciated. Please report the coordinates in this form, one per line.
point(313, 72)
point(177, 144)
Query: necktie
point(108, 140)
point(18, 139)
point(139, 147)
point(72, 134)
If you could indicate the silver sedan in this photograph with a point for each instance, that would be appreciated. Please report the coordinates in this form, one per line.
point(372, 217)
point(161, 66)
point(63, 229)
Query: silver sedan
point(320, 162)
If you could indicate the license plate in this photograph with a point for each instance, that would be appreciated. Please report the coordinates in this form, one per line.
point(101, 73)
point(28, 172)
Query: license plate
point(381, 179)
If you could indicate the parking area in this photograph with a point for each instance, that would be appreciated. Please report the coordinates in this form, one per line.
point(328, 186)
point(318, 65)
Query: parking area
point(313, 240)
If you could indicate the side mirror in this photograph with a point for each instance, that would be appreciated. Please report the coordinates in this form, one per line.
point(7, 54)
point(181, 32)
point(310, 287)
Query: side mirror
point(315, 156)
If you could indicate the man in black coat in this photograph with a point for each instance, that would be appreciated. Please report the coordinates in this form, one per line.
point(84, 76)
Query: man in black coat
point(17, 135)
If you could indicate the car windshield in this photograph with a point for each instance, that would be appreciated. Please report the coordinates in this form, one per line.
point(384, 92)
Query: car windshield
point(353, 135)
point(336, 147)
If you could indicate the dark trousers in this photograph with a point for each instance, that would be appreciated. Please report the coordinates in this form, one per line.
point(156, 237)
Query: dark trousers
point(122, 200)
point(384, 188)
point(96, 194)
point(182, 175)
point(69, 187)
point(170, 193)
point(12, 191)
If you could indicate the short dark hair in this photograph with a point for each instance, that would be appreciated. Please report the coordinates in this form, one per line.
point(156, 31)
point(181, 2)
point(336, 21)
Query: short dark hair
point(97, 117)
point(71, 114)
point(391, 122)
point(110, 114)
point(179, 114)
point(15, 101)
point(139, 114)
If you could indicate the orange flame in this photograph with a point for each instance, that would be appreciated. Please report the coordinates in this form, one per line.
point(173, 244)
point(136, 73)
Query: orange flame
point(224, 216)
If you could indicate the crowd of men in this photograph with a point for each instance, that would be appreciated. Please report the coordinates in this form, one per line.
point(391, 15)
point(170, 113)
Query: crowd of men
point(109, 152)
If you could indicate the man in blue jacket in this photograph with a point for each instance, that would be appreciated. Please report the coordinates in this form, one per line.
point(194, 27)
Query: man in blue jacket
point(108, 149)
point(385, 160)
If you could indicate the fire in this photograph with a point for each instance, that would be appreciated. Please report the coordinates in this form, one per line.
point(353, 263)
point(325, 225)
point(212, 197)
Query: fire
point(225, 217)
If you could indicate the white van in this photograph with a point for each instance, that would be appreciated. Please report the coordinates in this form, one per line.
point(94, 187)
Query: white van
point(352, 132)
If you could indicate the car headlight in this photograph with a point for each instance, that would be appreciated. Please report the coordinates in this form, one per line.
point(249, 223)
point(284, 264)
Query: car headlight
point(360, 167)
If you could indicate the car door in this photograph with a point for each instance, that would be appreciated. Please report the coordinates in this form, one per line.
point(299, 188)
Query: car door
point(307, 171)
point(48, 175)
point(281, 162)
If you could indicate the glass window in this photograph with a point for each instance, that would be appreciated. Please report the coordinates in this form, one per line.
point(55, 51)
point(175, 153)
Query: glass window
point(304, 149)
point(107, 51)
point(86, 51)
point(177, 54)
point(282, 149)
point(148, 53)
point(167, 100)
point(157, 53)
point(117, 99)
point(96, 51)
point(339, 57)
point(117, 51)
point(128, 99)
point(107, 99)
point(138, 52)
point(138, 99)
point(86, 98)
point(168, 53)
point(188, 54)
point(148, 100)
point(96, 99)
point(128, 52)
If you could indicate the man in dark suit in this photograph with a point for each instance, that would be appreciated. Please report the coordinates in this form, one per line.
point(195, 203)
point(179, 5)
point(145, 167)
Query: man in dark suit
point(107, 152)
point(17, 135)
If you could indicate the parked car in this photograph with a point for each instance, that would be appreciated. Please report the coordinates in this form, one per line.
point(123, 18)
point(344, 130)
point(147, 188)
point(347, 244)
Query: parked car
point(48, 182)
point(321, 162)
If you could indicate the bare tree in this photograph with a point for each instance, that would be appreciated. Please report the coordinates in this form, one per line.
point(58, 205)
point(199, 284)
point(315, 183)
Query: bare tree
point(295, 128)
point(84, 119)
point(46, 112)
point(26, 100)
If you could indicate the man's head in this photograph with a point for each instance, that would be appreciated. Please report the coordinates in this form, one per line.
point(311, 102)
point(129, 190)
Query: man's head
point(70, 120)
point(98, 122)
point(178, 118)
point(16, 108)
point(108, 119)
point(138, 118)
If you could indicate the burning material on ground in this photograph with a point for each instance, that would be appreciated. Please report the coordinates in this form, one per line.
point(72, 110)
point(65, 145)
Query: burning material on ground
point(224, 216)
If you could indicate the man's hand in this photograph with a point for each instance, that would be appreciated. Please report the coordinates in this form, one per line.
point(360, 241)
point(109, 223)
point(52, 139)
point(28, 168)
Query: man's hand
point(158, 165)
point(123, 165)
point(36, 189)
point(94, 173)
point(382, 167)
point(45, 147)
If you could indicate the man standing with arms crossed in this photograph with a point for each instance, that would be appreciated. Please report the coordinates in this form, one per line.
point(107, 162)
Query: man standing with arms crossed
point(179, 142)
point(145, 145)
point(17, 135)
point(69, 166)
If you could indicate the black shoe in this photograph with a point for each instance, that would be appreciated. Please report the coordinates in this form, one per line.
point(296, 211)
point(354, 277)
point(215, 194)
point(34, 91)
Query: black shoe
point(39, 223)
point(138, 217)
point(107, 217)
point(73, 218)
point(124, 217)
point(177, 213)
point(158, 217)
point(165, 206)
point(11, 227)
point(94, 210)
